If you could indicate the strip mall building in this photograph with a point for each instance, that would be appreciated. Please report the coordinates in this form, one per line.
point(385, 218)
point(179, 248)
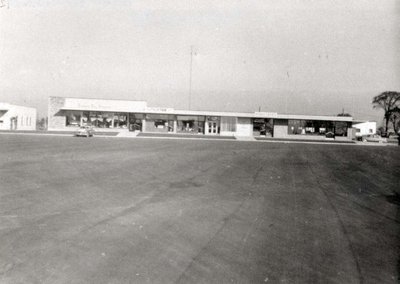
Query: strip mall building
point(123, 116)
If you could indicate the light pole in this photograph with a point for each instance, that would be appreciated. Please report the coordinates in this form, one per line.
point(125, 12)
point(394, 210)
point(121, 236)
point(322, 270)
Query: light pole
point(190, 76)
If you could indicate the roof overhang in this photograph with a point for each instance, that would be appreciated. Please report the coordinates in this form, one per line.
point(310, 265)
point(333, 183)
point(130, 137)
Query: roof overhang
point(315, 117)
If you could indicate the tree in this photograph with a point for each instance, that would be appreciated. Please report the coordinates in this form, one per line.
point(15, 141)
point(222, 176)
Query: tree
point(395, 119)
point(389, 101)
point(41, 123)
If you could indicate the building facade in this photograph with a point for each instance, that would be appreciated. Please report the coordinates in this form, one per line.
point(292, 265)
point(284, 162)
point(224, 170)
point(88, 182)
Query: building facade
point(119, 115)
point(13, 117)
point(364, 127)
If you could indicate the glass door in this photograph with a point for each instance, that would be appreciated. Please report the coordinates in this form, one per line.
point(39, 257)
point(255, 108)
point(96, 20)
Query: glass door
point(212, 127)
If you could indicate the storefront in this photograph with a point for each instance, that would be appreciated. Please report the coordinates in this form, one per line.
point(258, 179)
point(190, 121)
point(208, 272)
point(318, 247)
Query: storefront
point(67, 113)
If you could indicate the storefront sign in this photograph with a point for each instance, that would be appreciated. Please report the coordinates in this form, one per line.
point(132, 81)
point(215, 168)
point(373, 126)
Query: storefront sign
point(104, 105)
point(160, 109)
point(266, 114)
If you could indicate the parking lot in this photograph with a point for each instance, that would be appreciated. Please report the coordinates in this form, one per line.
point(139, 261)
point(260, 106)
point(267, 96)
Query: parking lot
point(114, 210)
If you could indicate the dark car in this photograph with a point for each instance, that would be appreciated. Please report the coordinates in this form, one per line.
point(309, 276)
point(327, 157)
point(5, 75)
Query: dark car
point(330, 135)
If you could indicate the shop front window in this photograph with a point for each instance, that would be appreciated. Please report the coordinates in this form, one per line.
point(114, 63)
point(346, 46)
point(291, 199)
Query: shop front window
point(228, 124)
point(73, 118)
point(341, 128)
point(135, 121)
point(120, 120)
point(160, 122)
point(97, 119)
point(310, 127)
point(263, 127)
point(100, 119)
point(190, 124)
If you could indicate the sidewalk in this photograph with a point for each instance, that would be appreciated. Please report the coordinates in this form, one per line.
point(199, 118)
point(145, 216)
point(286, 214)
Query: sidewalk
point(141, 135)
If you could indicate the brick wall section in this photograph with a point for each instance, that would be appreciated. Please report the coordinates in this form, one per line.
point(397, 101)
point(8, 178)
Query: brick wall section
point(56, 119)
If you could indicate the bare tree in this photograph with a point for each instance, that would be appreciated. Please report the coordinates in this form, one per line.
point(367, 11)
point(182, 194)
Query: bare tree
point(389, 101)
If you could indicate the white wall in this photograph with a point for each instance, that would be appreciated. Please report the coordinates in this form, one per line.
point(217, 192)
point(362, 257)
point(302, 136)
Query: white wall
point(244, 127)
point(25, 117)
point(281, 128)
point(368, 127)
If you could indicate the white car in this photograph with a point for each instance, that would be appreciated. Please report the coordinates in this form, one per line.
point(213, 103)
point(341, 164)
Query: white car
point(85, 131)
point(374, 138)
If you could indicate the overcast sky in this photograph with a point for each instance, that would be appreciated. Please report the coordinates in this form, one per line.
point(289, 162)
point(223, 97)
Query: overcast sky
point(287, 56)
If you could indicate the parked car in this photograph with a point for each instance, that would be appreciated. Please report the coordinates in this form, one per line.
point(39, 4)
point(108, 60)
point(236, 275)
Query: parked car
point(85, 131)
point(330, 135)
point(374, 138)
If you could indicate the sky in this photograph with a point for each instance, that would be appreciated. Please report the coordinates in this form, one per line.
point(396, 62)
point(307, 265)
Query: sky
point(285, 56)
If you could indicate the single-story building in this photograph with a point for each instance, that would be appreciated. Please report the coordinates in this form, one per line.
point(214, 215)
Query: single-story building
point(13, 117)
point(364, 127)
point(121, 115)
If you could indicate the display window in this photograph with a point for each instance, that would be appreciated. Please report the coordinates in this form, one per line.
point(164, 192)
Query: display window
point(310, 127)
point(73, 118)
point(228, 124)
point(160, 122)
point(263, 127)
point(190, 124)
point(120, 120)
point(136, 121)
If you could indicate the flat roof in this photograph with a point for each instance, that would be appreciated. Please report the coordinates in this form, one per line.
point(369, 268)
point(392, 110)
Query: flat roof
point(74, 105)
point(315, 117)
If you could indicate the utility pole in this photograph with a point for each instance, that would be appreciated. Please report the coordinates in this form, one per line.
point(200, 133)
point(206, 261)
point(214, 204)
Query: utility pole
point(190, 77)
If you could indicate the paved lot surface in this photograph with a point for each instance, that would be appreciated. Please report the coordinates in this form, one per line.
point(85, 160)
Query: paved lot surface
point(109, 210)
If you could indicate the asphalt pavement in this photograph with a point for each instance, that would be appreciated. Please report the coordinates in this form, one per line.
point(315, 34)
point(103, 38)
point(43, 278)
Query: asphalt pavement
point(78, 210)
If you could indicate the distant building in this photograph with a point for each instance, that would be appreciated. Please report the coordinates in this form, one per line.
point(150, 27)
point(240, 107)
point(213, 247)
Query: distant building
point(13, 117)
point(364, 127)
point(120, 115)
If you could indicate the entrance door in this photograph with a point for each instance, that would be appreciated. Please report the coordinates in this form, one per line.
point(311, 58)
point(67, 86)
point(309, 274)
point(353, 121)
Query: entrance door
point(212, 127)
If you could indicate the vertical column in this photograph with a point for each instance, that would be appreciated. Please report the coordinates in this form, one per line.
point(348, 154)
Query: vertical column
point(175, 125)
point(144, 124)
point(128, 122)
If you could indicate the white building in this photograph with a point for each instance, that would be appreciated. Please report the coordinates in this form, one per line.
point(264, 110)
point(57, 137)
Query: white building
point(364, 127)
point(13, 117)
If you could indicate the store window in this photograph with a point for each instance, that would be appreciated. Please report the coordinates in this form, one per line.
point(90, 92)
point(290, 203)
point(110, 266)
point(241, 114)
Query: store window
point(190, 124)
point(160, 122)
point(73, 118)
point(135, 121)
point(120, 120)
point(341, 128)
point(100, 119)
point(228, 124)
point(310, 127)
point(263, 127)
